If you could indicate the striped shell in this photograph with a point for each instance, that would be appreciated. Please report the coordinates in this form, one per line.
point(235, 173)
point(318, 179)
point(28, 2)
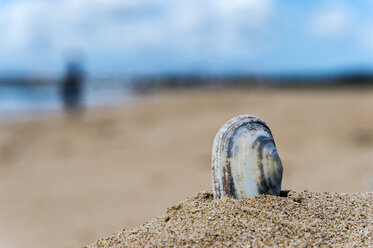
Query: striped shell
point(245, 161)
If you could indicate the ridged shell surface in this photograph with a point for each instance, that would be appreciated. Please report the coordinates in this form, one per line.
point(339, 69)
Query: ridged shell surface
point(245, 161)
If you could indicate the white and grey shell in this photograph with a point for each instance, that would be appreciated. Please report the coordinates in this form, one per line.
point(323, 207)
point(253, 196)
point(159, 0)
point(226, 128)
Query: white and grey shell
point(245, 161)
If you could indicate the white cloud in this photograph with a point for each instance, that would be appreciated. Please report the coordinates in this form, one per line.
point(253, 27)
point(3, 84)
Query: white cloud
point(333, 22)
point(257, 11)
point(133, 28)
point(337, 20)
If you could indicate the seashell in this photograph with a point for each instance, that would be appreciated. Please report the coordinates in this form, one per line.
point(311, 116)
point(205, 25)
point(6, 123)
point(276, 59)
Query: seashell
point(245, 161)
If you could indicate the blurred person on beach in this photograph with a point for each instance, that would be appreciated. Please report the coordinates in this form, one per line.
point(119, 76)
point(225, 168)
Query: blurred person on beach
point(72, 88)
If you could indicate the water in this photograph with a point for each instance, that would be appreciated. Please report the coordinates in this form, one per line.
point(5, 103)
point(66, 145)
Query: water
point(24, 102)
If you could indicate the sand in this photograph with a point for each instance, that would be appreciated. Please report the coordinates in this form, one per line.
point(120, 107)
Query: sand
point(69, 183)
point(301, 219)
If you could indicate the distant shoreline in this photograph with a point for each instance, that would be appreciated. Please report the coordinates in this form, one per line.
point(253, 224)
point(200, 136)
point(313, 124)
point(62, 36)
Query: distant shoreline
point(21, 103)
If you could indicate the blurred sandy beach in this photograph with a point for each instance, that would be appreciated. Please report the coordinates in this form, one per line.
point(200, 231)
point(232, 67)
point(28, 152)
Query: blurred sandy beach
point(67, 183)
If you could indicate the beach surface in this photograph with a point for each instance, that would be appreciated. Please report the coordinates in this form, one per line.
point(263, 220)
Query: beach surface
point(297, 219)
point(68, 182)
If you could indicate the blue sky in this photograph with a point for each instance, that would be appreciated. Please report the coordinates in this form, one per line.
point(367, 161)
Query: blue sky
point(121, 37)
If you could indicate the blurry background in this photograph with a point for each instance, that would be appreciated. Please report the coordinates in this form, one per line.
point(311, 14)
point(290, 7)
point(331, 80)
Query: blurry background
point(108, 108)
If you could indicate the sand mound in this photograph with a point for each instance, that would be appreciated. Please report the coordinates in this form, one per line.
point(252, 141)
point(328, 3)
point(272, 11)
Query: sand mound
point(298, 219)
